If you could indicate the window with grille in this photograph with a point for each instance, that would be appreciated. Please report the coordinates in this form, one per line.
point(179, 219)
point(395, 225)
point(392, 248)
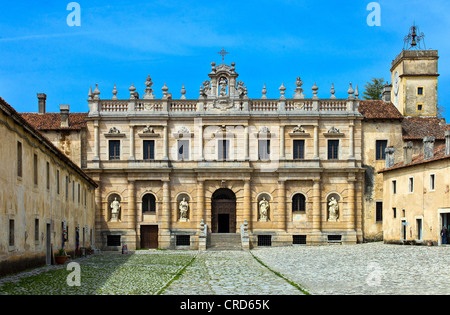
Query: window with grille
point(333, 149)
point(183, 240)
point(299, 203)
point(334, 238)
point(114, 149)
point(149, 149)
point(265, 240)
point(299, 149)
point(113, 240)
point(299, 240)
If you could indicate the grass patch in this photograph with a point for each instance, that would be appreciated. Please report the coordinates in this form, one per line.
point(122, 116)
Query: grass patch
point(295, 285)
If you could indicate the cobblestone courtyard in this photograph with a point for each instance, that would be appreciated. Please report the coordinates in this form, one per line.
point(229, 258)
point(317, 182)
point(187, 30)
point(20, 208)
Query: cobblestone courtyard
point(361, 269)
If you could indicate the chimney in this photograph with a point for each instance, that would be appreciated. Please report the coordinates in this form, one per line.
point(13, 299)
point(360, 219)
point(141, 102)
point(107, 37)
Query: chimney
point(386, 94)
point(65, 109)
point(447, 142)
point(390, 157)
point(42, 98)
point(428, 147)
point(407, 152)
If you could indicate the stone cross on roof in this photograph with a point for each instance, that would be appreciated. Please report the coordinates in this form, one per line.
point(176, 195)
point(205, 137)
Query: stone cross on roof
point(223, 53)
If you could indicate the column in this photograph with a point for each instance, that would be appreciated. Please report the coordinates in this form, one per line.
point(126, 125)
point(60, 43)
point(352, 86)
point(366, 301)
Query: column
point(248, 203)
point(352, 142)
point(97, 141)
point(166, 143)
point(100, 216)
point(200, 141)
point(165, 220)
point(282, 144)
point(246, 145)
point(316, 142)
point(201, 201)
point(132, 144)
point(351, 203)
point(132, 215)
point(317, 213)
point(282, 215)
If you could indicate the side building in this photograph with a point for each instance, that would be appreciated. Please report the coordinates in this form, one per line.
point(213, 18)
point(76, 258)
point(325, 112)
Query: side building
point(46, 200)
point(416, 194)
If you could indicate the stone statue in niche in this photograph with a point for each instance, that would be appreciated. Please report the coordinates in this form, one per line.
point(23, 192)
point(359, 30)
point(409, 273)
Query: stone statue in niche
point(223, 83)
point(333, 210)
point(264, 210)
point(184, 208)
point(115, 210)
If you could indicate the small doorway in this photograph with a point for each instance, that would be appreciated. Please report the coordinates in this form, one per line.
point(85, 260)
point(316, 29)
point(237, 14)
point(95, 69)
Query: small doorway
point(223, 211)
point(149, 236)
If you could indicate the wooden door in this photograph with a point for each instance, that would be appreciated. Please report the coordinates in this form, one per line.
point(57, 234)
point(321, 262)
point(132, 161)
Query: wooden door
point(149, 236)
point(223, 216)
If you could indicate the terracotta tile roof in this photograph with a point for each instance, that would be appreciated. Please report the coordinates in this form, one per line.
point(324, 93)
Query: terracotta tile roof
point(377, 109)
point(439, 154)
point(10, 111)
point(416, 128)
point(52, 121)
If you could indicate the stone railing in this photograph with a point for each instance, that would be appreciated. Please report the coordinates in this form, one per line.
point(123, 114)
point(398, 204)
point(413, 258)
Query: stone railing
point(185, 106)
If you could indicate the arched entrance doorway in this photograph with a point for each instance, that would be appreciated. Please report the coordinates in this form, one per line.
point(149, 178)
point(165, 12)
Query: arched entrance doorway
point(223, 211)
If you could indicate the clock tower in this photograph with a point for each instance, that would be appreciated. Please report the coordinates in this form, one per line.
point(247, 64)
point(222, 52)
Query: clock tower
point(414, 75)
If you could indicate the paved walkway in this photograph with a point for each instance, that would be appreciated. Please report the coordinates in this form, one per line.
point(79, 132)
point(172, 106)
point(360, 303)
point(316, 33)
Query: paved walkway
point(368, 269)
point(229, 273)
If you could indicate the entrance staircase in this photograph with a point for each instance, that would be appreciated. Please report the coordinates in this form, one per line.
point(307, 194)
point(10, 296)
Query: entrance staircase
point(222, 242)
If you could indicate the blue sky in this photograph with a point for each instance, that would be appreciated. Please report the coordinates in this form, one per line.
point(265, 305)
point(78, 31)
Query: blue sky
point(271, 42)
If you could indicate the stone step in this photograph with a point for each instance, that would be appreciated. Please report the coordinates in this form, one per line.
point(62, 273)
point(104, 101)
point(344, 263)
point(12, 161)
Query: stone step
point(219, 241)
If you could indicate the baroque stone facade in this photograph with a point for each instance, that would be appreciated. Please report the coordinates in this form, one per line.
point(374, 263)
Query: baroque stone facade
point(290, 168)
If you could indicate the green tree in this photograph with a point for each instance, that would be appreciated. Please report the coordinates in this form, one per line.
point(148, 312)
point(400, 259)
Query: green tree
point(374, 89)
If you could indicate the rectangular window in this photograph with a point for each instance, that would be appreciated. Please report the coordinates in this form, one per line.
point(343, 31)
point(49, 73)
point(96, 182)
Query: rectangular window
point(394, 211)
point(333, 149)
point(299, 239)
point(79, 193)
point(411, 185)
point(19, 159)
point(57, 182)
point(379, 214)
point(67, 187)
point(264, 150)
point(183, 150)
point(381, 146)
point(420, 91)
point(149, 149)
point(48, 175)
point(114, 150)
point(11, 232)
point(419, 107)
point(73, 191)
point(113, 240)
point(299, 149)
point(224, 148)
point(35, 169)
point(265, 240)
point(394, 187)
point(183, 240)
point(36, 230)
point(432, 182)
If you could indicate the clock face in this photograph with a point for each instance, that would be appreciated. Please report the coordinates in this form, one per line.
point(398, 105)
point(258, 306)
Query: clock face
point(396, 82)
